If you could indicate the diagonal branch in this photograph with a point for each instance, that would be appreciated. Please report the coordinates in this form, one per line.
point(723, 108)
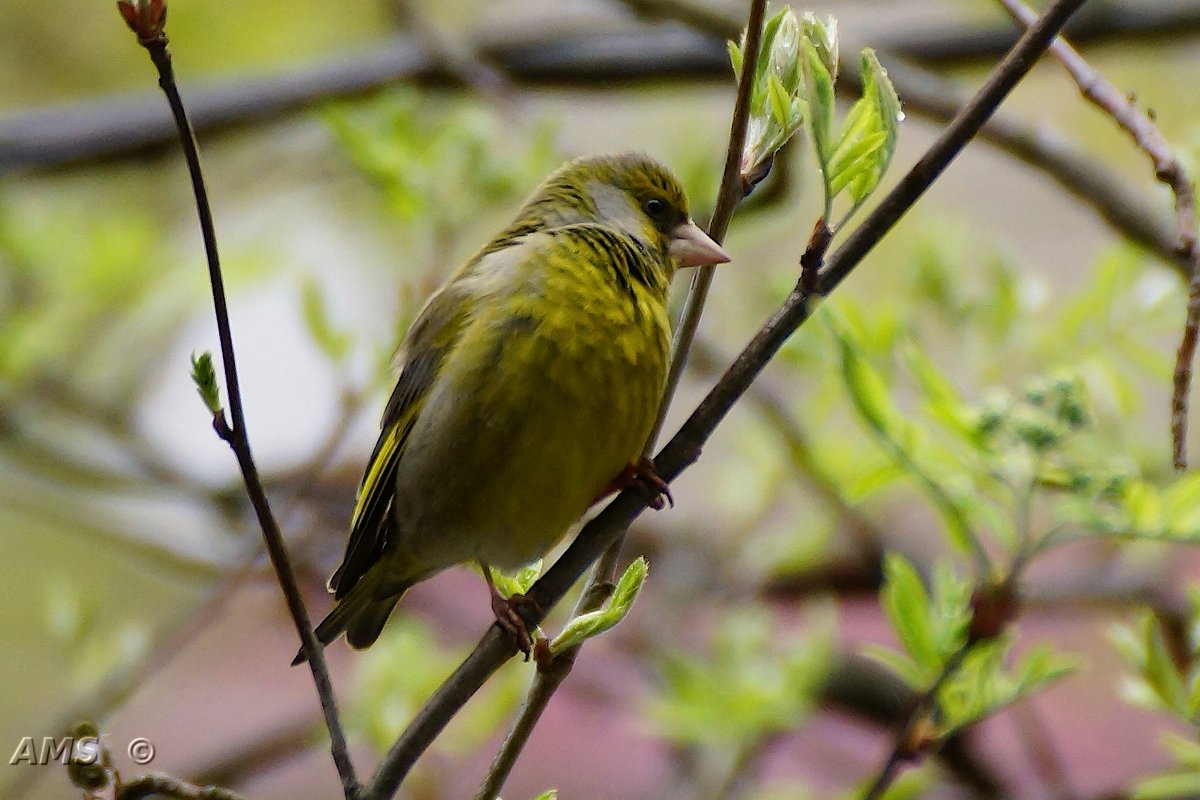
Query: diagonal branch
point(684, 448)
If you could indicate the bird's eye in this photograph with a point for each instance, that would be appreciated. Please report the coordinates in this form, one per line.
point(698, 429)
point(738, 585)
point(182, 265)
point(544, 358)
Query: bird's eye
point(655, 207)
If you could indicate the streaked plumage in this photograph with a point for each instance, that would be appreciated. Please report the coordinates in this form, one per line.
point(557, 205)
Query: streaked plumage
point(527, 384)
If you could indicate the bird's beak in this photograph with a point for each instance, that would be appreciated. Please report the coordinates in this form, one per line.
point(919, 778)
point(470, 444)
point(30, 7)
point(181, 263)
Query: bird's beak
point(692, 247)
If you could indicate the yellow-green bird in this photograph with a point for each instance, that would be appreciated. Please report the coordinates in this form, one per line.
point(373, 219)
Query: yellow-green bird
point(528, 386)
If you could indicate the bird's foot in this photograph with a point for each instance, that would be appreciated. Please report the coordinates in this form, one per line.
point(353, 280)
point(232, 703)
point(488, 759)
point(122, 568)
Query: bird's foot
point(509, 618)
point(643, 475)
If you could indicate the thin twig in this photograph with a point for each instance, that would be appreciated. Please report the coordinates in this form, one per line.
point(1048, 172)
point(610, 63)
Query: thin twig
point(551, 672)
point(148, 786)
point(684, 448)
point(1124, 111)
point(733, 188)
point(910, 741)
point(147, 19)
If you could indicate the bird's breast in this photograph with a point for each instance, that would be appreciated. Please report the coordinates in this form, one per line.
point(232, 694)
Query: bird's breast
point(551, 391)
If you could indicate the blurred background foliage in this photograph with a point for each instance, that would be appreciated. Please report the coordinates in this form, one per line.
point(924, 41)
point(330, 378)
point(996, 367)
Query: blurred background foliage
point(990, 387)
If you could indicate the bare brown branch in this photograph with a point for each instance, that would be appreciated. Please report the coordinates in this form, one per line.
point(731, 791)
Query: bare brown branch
point(1148, 138)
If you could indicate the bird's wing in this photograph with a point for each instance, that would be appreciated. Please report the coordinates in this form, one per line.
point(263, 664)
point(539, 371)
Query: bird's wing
point(431, 338)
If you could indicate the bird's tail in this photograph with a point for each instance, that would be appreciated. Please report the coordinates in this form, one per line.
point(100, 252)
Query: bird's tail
point(361, 615)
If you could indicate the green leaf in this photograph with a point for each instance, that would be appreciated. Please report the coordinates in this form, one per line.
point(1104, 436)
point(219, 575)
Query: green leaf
point(1143, 505)
point(777, 105)
point(334, 343)
point(1159, 669)
point(950, 614)
point(754, 678)
point(819, 93)
point(511, 583)
point(905, 668)
point(982, 686)
point(549, 794)
point(902, 439)
point(1184, 749)
point(735, 58)
point(823, 38)
point(942, 400)
point(868, 139)
point(1181, 505)
point(1168, 787)
point(855, 161)
point(780, 103)
point(204, 375)
point(1041, 666)
point(906, 605)
point(594, 623)
point(867, 388)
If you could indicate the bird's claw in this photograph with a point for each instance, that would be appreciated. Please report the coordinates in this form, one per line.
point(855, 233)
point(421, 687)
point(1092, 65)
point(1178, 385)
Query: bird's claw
point(510, 620)
point(643, 475)
point(659, 490)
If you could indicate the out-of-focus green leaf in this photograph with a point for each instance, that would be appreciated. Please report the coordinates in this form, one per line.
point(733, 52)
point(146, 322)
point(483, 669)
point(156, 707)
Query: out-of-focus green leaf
point(982, 685)
point(1168, 787)
point(906, 605)
point(901, 438)
point(334, 343)
point(942, 400)
point(385, 698)
point(751, 681)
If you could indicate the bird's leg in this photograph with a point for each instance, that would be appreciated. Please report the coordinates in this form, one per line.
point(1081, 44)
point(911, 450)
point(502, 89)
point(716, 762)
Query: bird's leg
point(641, 474)
point(507, 616)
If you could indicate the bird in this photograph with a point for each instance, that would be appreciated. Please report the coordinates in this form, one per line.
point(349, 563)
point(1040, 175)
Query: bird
point(528, 386)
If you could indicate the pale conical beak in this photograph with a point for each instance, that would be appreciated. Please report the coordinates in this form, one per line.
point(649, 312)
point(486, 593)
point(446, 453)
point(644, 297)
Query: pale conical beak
point(692, 247)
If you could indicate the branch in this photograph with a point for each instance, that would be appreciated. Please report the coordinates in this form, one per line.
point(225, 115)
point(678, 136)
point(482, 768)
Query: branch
point(911, 740)
point(684, 448)
point(150, 786)
point(147, 19)
point(130, 124)
point(1124, 111)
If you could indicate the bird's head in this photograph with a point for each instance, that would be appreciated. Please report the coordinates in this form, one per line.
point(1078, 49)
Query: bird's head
point(629, 191)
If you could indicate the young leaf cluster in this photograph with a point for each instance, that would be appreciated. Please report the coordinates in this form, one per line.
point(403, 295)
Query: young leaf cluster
point(984, 467)
point(969, 680)
point(794, 81)
point(593, 623)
